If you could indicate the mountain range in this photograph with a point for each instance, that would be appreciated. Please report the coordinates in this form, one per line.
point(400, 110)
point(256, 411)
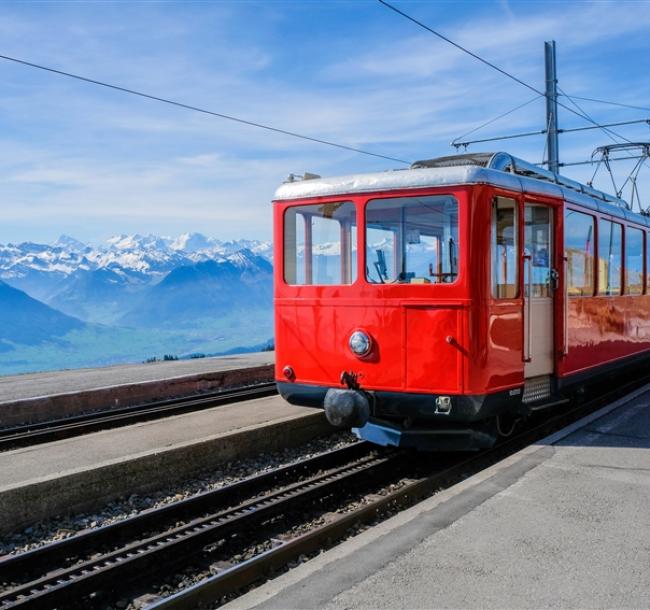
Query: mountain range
point(73, 301)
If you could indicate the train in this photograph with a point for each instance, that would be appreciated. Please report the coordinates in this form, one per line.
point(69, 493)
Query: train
point(435, 307)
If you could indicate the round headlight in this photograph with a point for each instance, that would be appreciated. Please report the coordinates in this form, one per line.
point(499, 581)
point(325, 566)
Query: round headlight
point(360, 343)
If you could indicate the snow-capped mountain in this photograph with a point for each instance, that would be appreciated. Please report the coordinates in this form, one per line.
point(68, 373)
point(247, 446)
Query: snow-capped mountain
point(70, 304)
point(123, 254)
point(70, 243)
point(208, 289)
point(100, 283)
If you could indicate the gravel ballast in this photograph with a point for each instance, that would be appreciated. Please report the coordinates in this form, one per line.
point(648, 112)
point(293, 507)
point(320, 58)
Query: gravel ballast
point(62, 527)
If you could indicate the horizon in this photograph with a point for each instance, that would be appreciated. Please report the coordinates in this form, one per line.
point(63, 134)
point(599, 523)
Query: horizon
point(121, 236)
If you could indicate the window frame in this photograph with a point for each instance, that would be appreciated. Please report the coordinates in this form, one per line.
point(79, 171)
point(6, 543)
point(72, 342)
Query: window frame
point(621, 280)
point(411, 196)
point(627, 229)
point(594, 255)
point(517, 226)
point(353, 265)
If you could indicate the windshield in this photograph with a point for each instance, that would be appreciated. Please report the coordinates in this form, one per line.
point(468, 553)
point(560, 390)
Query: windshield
point(412, 240)
point(320, 244)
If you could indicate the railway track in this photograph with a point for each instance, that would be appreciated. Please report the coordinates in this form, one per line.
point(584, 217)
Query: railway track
point(214, 590)
point(62, 574)
point(44, 432)
point(282, 514)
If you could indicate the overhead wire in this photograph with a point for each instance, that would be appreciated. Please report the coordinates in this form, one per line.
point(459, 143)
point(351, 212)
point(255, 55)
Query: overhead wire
point(610, 133)
point(505, 114)
point(540, 132)
point(512, 136)
point(610, 103)
point(574, 163)
point(460, 47)
point(618, 124)
point(481, 59)
point(220, 115)
point(579, 112)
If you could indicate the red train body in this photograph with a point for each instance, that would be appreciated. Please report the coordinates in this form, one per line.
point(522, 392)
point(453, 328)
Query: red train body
point(476, 287)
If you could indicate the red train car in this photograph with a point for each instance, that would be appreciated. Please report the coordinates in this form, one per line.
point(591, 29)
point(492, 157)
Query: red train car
point(430, 307)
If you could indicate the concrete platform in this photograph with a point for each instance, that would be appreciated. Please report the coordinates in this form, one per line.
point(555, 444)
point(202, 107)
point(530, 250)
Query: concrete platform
point(37, 397)
point(563, 524)
point(84, 472)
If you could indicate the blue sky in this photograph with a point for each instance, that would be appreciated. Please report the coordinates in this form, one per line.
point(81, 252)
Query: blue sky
point(90, 162)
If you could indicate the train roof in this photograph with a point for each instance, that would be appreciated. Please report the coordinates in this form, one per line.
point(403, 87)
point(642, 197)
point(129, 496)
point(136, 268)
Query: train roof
point(498, 169)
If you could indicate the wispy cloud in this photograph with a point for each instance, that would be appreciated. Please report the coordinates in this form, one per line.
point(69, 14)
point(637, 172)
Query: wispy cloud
point(76, 155)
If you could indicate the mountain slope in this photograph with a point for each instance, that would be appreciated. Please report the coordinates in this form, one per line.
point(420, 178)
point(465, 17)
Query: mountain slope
point(98, 295)
point(239, 283)
point(28, 321)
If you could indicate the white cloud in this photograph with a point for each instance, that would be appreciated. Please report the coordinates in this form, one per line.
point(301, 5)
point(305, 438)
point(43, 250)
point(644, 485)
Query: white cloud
point(75, 152)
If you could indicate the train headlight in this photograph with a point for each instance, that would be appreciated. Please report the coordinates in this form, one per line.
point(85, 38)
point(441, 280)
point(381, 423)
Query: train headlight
point(360, 343)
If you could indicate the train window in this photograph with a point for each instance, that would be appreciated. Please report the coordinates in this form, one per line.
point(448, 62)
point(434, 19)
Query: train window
point(633, 261)
point(579, 251)
point(412, 240)
point(320, 244)
point(537, 244)
point(504, 249)
point(610, 238)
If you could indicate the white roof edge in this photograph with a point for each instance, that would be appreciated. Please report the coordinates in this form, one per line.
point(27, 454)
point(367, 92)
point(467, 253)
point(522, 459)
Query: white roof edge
point(413, 178)
point(405, 179)
point(393, 180)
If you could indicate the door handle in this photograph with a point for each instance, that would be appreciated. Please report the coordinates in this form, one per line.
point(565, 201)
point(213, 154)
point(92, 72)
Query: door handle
point(528, 259)
point(565, 309)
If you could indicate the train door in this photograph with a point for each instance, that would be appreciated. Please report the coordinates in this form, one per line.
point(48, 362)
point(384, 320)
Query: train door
point(539, 282)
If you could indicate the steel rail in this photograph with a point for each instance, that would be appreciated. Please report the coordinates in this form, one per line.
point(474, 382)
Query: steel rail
point(257, 568)
point(88, 541)
point(44, 432)
point(136, 559)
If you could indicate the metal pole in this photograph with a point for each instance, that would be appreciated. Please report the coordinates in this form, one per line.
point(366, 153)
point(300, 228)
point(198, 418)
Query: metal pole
point(551, 107)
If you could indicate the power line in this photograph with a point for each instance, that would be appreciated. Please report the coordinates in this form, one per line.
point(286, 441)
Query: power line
point(591, 162)
point(530, 101)
point(608, 132)
point(513, 136)
point(220, 115)
point(620, 123)
point(460, 47)
point(541, 132)
point(482, 60)
point(591, 99)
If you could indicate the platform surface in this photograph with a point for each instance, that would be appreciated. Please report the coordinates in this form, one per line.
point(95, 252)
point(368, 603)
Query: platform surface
point(562, 524)
point(97, 449)
point(33, 385)
point(84, 472)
